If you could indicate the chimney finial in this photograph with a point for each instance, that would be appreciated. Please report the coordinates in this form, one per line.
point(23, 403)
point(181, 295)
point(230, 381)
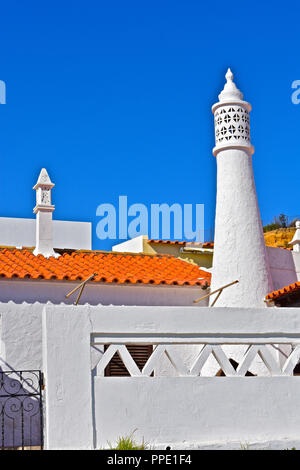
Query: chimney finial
point(229, 75)
point(230, 91)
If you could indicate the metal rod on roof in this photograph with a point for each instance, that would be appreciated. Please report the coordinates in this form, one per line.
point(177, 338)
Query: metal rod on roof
point(214, 292)
point(81, 287)
point(220, 292)
point(79, 295)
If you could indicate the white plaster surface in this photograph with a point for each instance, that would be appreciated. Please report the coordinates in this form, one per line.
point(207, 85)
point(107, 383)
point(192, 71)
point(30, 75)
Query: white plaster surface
point(218, 323)
point(44, 235)
point(66, 365)
point(20, 336)
point(227, 325)
point(197, 411)
point(187, 412)
point(135, 245)
point(66, 234)
point(284, 266)
point(239, 247)
point(25, 290)
point(296, 258)
point(280, 444)
point(202, 412)
point(84, 410)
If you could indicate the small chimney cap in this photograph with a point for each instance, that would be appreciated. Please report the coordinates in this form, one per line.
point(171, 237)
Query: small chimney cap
point(230, 91)
point(44, 180)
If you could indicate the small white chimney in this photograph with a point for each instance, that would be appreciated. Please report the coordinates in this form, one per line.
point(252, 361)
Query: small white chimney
point(43, 211)
point(296, 239)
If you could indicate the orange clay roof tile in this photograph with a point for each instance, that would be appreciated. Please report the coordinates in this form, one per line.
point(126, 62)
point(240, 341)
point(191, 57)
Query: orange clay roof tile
point(182, 243)
point(110, 267)
point(168, 242)
point(285, 290)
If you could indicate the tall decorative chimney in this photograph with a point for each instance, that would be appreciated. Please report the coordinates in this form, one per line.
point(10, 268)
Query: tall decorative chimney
point(239, 246)
point(43, 211)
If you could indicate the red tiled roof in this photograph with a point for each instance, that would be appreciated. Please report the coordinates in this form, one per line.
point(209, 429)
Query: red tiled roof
point(183, 243)
point(276, 294)
point(167, 242)
point(208, 245)
point(111, 267)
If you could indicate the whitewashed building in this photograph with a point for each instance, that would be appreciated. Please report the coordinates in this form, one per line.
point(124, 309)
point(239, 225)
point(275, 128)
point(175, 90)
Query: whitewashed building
point(138, 309)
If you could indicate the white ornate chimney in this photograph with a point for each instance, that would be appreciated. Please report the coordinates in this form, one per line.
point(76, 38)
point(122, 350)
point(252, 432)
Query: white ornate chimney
point(43, 211)
point(296, 238)
point(239, 246)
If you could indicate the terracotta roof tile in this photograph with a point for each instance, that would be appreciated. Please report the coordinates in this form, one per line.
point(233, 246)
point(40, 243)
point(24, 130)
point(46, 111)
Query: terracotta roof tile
point(167, 242)
point(276, 294)
point(111, 267)
point(182, 243)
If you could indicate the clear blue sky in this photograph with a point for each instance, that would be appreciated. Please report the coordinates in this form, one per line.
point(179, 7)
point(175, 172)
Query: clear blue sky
point(114, 98)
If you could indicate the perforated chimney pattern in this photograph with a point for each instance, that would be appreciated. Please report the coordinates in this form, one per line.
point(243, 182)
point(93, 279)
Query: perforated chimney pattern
point(232, 125)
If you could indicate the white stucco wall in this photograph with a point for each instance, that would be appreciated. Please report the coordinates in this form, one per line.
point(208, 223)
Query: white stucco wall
point(284, 266)
point(24, 290)
point(176, 411)
point(296, 258)
point(21, 336)
point(239, 247)
point(21, 320)
point(197, 412)
point(68, 397)
point(66, 234)
point(184, 412)
point(135, 245)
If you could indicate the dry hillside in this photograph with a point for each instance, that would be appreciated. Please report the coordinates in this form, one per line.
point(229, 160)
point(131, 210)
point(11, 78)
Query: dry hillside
point(280, 237)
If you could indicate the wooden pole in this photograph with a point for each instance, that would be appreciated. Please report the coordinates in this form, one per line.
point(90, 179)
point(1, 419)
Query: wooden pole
point(220, 292)
point(79, 295)
point(217, 290)
point(81, 285)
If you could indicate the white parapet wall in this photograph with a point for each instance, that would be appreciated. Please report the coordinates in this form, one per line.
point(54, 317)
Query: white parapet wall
point(134, 245)
point(86, 410)
point(66, 234)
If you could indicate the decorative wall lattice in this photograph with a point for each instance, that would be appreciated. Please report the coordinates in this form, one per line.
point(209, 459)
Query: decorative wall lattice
point(263, 351)
point(232, 125)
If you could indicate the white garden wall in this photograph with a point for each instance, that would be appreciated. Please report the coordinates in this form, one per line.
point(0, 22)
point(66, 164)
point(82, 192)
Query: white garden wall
point(86, 410)
point(66, 234)
point(195, 412)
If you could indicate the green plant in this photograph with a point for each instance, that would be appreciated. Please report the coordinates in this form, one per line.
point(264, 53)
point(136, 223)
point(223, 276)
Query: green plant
point(244, 446)
point(280, 221)
point(283, 220)
point(127, 443)
point(270, 227)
